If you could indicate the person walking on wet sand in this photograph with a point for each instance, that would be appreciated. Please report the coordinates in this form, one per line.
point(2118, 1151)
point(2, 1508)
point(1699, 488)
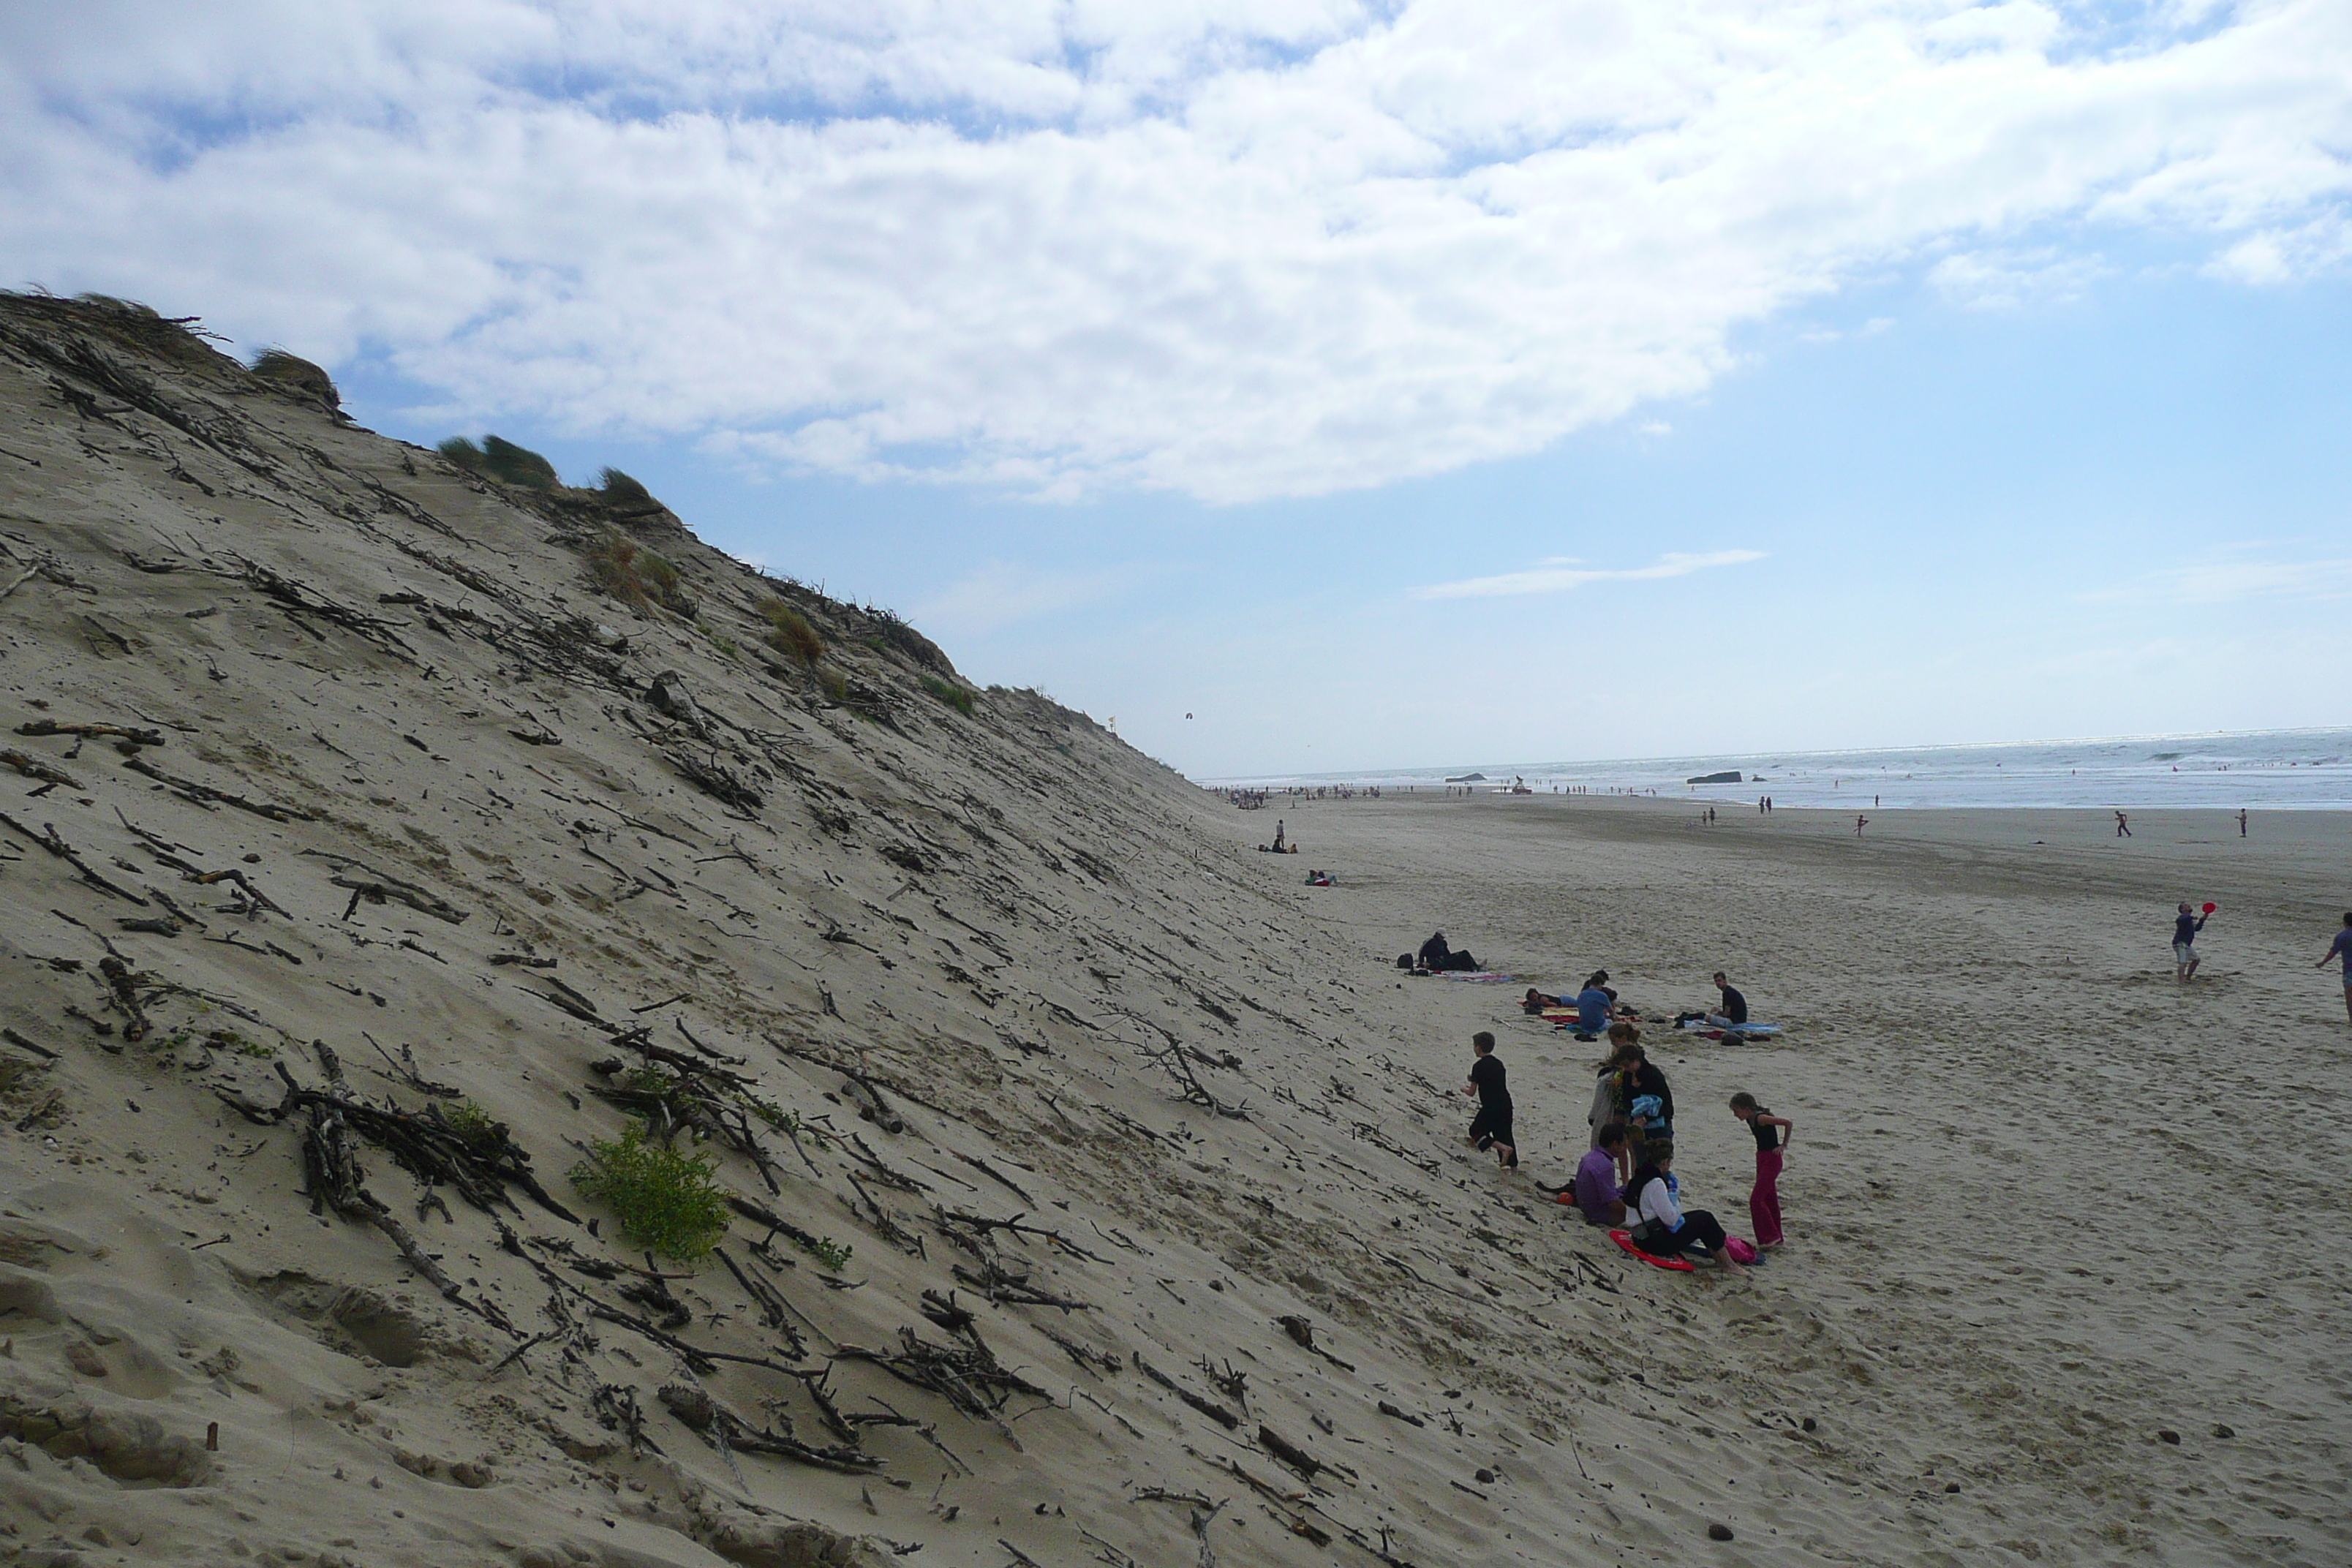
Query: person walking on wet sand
point(2123, 826)
point(2185, 927)
point(2342, 946)
point(1492, 1126)
point(1859, 824)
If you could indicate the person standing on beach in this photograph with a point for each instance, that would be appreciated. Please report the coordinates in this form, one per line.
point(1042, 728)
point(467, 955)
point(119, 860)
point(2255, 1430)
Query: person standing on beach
point(2342, 946)
point(2123, 826)
point(2241, 822)
point(2186, 924)
point(1491, 1129)
point(1859, 824)
point(1773, 1134)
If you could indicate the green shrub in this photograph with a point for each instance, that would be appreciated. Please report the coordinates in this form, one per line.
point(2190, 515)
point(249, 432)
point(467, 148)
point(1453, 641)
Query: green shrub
point(836, 684)
point(470, 1121)
point(789, 632)
point(629, 572)
point(826, 1250)
point(664, 1200)
point(947, 692)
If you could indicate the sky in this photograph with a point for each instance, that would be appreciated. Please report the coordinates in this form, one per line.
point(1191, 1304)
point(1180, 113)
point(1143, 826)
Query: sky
point(1310, 385)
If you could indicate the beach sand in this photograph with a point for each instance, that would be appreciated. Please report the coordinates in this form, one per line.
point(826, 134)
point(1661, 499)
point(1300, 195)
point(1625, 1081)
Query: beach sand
point(2043, 1205)
point(2047, 1203)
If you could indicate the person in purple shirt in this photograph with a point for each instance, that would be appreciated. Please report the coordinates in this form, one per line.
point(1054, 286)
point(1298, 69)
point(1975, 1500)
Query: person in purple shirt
point(2341, 947)
point(1597, 1195)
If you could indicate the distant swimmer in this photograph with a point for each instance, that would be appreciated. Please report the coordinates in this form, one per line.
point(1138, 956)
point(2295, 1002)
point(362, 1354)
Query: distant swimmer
point(2342, 946)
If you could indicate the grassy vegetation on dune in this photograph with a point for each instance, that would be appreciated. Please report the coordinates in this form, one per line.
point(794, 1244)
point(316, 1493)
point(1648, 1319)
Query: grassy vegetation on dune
point(664, 1200)
point(636, 576)
point(789, 632)
point(501, 459)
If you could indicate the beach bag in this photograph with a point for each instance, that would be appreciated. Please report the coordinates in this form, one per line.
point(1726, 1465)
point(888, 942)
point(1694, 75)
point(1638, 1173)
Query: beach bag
point(1404, 961)
point(1741, 1253)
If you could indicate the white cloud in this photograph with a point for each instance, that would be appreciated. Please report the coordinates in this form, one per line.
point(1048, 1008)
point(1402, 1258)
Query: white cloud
point(2230, 581)
point(1562, 573)
point(1001, 594)
point(1235, 250)
point(1997, 281)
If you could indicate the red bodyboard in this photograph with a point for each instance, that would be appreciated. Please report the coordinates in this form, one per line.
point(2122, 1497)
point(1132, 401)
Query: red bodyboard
point(1677, 1264)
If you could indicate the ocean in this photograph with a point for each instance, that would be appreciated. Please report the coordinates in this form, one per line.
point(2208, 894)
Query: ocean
point(2269, 769)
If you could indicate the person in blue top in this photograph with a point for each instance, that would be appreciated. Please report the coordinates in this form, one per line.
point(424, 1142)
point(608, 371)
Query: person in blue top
point(1593, 1006)
point(2185, 927)
point(2341, 947)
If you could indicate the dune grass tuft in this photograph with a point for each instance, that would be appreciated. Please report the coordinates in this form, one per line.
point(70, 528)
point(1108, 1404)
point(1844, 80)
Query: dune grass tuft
point(501, 459)
point(948, 692)
point(636, 576)
point(664, 1200)
point(624, 492)
point(282, 369)
point(789, 632)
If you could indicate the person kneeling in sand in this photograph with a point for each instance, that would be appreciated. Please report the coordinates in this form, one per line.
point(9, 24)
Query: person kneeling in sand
point(1598, 1197)
point(1661, 1228)
point(1491, 1128)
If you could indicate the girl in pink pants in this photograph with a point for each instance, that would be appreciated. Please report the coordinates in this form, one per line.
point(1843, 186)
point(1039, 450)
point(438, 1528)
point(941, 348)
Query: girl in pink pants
point(1773, 1134)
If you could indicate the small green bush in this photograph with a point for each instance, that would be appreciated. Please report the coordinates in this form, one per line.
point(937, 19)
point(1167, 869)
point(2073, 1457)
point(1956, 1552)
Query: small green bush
point(470, 1121)
point(664, 1200)
point(833, 1254)
point(836, 684)
point(789, 632)
point(947, 692)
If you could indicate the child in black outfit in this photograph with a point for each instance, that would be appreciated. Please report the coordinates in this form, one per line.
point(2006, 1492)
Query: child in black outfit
point(1492, 1126)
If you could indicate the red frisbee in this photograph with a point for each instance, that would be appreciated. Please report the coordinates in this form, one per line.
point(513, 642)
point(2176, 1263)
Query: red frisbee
point(2211, 908)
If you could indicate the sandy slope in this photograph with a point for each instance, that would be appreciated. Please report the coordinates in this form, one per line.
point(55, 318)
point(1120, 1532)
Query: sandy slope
point(995, 919)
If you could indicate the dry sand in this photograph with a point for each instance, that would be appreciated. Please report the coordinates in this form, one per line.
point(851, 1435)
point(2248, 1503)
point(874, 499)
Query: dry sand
point(2021, 1245)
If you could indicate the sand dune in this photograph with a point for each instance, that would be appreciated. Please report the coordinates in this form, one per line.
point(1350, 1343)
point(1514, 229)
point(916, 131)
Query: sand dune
point(1094, 1097)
